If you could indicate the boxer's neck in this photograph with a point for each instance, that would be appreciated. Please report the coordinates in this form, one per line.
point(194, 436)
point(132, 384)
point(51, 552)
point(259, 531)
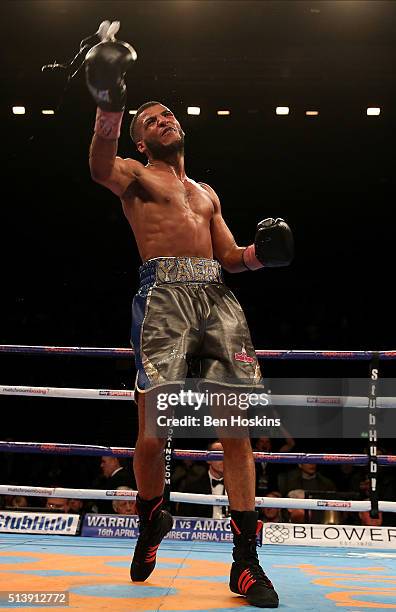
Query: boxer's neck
point(174, 166)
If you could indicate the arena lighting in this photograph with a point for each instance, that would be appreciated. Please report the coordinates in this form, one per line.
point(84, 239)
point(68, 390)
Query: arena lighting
point(132, 112)
point(48, 111)
point(373, 111)
point(282, 110)
point(18, 110)
point(223, 112)
point(193, 110)
point(312, 113)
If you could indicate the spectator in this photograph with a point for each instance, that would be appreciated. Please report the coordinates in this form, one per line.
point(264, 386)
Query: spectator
point(271, 515)
point(347, 477)
point(305, 477)
point(210, 482)
point(187, 468)
point(19, 501)
point(265, 444)
point(7, 500)
point(296, 515)
point(364, 486)
point(266, 473)
point(124, 506)
point(76, 506)
point(57, 503)
point(114, 475)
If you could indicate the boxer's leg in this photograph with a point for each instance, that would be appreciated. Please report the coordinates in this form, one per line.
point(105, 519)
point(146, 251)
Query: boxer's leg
point(148, 460)
point(154, 522)
point(239, 473)
point(230, 356)
point(161, 347)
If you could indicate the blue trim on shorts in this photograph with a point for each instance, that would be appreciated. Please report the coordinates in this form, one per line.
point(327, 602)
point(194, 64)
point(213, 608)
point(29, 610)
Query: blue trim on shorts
point(138, 311)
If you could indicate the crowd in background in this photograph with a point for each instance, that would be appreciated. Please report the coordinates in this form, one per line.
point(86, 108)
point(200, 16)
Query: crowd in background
point(275, 480)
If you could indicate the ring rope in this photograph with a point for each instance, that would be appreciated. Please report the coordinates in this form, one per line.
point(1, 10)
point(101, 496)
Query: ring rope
point(63, 392)
point(128, 352)
point(125, 394)
point(373, 356)
point(198, 498)
point(194, 455)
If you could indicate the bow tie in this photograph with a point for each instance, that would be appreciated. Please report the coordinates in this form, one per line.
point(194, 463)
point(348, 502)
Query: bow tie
point(217, 482)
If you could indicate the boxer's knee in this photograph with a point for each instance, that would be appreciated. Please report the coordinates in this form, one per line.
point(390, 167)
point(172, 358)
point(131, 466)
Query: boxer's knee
point(236, 447)
point(152, 447)
point(147, 446)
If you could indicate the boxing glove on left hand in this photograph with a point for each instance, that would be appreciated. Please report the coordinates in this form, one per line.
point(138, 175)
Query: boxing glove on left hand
point(273, 245)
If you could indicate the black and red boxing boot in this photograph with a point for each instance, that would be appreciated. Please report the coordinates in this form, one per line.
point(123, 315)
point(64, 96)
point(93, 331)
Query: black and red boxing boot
point(154, 524)
point(247, 576)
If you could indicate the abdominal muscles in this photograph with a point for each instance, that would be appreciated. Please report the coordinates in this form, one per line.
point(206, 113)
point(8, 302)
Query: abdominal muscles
point(163, 232)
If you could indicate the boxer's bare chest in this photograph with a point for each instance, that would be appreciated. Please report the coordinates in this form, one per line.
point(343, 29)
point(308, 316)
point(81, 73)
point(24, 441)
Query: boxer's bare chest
point(168, 195)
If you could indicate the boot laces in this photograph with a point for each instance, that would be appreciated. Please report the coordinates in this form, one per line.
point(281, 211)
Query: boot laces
point(258, 573)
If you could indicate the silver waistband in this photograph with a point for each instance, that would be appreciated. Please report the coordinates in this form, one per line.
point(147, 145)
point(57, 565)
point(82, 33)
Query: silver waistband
point(180, 270)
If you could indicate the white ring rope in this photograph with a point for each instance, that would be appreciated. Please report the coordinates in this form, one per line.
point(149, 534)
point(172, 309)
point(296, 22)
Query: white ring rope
point(62, 392)
point(195, 498)
point(125, 394)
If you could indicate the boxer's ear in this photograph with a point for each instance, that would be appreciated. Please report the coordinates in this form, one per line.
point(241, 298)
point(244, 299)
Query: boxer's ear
point(141, 147)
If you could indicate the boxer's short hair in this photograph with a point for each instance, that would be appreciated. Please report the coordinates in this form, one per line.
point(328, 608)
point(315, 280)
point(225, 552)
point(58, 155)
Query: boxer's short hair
point(132, 129)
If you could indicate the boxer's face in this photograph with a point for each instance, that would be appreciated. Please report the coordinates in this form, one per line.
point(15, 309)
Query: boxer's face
point(160, 134)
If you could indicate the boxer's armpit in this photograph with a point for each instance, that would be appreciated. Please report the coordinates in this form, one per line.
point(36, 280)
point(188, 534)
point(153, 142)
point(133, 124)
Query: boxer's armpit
point(117, 175)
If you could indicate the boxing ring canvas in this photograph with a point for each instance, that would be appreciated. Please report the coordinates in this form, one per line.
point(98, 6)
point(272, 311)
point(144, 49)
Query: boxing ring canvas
point(192, 576)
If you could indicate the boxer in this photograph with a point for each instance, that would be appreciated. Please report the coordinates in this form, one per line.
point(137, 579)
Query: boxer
point(182, 310)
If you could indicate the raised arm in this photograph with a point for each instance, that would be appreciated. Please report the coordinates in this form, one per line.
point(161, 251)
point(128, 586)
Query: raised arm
point(106, 64)
point(109, 170)
point(273, 245)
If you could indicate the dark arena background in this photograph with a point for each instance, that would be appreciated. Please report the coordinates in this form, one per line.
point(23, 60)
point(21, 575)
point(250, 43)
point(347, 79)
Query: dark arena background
point(69, 262)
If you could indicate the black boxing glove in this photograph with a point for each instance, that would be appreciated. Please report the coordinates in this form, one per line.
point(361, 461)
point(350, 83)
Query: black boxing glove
point(105, 67)
point(273, 245)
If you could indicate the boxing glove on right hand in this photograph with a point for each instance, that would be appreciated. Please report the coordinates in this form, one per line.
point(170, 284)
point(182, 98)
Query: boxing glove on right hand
point(105, 67)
